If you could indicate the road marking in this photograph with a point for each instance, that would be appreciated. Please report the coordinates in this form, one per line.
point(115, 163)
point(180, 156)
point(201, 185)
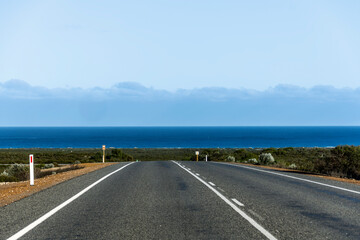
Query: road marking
point(53, 211)
point(221, 189)
point(297, 178)
point(256, 215)
point(238, 210)
point(197, 174)
point(212, 184)
point(237, 202)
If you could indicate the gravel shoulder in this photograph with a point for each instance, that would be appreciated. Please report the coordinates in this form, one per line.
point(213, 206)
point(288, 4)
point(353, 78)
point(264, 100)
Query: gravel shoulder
point(11, 192)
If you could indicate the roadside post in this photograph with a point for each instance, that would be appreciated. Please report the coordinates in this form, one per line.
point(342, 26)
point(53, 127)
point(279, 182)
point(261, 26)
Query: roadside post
point(103, 148)
point(31, 167)
point(197, 155)
point(206, 158)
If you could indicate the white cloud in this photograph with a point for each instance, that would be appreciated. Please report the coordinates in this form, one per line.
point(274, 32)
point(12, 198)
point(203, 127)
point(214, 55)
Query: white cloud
point(133, 104)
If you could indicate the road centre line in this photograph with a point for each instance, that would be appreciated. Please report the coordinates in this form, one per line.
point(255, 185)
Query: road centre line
point(212, 184)
point(297, 178)
point(256, 215)
point(233, 206)
point(237, 202)
point(56, 209)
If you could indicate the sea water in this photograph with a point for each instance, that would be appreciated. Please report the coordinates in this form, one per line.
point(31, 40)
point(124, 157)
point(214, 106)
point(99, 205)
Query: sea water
point(177, 137)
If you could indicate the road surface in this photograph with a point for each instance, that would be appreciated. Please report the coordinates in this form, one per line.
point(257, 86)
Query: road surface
point(187, 200)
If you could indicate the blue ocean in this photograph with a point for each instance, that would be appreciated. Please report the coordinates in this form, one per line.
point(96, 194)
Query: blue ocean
point(177, 137)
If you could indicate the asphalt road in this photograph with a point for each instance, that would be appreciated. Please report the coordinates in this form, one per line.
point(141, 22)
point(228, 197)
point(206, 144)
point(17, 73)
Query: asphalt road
point(187, 200)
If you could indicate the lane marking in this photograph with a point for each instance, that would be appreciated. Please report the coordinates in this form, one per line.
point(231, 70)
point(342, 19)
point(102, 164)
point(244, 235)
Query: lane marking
point(197, 174)
point(256, 215)
point(237, 202)
point(212, 184)
point(53, 211)
point(221, 189)
point(297, 178)
point(238, 210)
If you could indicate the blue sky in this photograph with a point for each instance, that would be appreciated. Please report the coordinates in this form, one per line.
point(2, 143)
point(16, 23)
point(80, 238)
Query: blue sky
point(239, 56)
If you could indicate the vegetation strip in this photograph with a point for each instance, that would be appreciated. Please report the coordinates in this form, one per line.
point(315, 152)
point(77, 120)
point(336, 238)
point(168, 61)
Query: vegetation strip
point(341, 161)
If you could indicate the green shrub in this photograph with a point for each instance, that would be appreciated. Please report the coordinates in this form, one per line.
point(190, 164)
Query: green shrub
point(344, 161)
point(243, 155)
point(18, 171)
point(4, 178)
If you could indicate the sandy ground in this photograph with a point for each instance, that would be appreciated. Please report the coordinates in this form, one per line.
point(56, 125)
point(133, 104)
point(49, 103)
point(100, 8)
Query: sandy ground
point(11, 192)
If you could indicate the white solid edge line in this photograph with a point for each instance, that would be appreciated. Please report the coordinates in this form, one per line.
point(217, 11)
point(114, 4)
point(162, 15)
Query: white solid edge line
point(237, 202)
point(212, 184)
point(238, 210)
point(297, 178)
point(53, 211)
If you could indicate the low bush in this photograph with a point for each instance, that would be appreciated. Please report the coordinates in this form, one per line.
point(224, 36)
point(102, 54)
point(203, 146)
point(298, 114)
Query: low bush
point(266, 159)
point(252, 161)
point(292, 166)
point(49, 165)
point(4, 178)
point(230, 159)
point(18, 171)
point(344, 161)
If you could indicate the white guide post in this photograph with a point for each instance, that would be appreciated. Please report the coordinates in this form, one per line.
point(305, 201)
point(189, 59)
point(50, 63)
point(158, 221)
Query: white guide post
point(31, 167)
point(205, 158)
point(103, 148)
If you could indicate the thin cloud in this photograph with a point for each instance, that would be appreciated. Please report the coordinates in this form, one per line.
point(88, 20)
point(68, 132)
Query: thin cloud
point(135, 91)
point(133, 104)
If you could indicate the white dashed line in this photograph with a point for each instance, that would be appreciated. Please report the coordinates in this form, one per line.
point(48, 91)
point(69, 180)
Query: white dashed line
point(256, 215)
point(212, 184)
point(197, 174)
point(237, 202)
point(233, 206)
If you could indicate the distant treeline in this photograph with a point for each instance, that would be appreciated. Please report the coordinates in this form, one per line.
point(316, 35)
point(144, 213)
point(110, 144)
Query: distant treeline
point(341, 161)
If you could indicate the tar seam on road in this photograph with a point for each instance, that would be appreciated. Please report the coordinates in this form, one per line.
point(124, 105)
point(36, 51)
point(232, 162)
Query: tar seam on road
point(53, 211)
point(238, 210)
point(301, 179)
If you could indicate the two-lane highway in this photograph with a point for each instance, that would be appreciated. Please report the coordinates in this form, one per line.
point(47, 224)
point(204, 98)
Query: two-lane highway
point(186, 200)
